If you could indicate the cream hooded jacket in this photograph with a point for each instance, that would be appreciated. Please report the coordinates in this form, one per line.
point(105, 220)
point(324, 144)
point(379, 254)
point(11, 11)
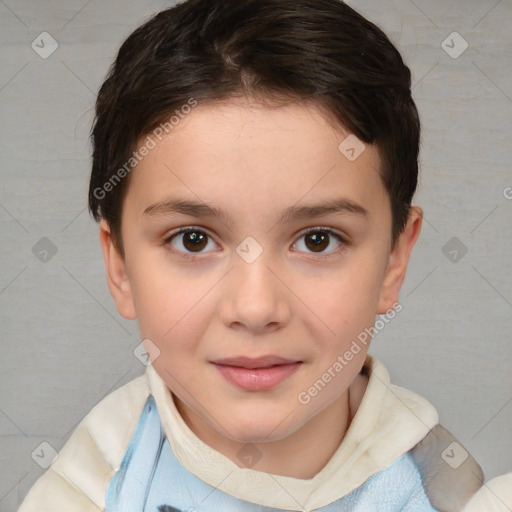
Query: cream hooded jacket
point(133, 451)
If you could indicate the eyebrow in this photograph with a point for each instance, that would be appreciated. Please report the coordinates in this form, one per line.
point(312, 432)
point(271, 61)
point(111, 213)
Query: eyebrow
point(173, 206)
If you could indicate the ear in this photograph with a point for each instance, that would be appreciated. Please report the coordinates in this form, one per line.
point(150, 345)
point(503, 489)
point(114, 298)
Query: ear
point(398, 260)
point(117, 278)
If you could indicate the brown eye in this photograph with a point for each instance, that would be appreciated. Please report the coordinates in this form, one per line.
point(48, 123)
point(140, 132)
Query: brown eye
point(190, 241)
point(194, 241)
point(318, 241)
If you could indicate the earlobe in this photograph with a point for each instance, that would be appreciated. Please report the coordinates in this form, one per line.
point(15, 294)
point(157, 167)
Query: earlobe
point(117, 278)
point(398, 261)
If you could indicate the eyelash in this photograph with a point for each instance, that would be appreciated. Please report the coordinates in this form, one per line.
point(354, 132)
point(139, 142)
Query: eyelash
point(316, 229)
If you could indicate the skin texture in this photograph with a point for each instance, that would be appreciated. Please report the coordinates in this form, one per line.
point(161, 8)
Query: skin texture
point(253, 162)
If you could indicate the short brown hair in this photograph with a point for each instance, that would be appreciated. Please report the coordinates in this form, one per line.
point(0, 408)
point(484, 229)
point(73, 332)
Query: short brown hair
point(311, 50)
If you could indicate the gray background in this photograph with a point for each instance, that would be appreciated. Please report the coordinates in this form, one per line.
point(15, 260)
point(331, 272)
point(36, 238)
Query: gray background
point(64, 346)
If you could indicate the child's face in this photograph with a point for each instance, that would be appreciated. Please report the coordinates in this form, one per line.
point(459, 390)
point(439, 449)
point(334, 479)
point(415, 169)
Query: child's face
point(226, 301)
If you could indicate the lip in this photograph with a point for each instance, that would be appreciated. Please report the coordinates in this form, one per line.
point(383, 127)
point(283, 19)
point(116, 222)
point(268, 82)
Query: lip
point(254, 362)
point(256, 374)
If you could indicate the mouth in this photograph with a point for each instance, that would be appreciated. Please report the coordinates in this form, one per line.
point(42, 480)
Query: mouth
point(256, 374)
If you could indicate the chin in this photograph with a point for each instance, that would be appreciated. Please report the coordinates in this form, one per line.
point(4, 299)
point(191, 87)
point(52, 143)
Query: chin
point(260, 429)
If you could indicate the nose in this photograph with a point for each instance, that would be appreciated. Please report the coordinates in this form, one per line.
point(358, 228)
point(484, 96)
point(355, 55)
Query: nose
point(254, 298)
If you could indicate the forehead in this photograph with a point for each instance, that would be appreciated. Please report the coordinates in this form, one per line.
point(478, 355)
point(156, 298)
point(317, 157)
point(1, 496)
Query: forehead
point(248, 157)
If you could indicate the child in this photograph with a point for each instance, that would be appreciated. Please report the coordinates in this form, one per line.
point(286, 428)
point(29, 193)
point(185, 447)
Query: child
point(279, 140)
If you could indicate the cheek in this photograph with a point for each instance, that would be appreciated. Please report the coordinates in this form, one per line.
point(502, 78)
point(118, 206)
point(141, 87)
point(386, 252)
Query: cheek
point(164, 298)
point(346, 300)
